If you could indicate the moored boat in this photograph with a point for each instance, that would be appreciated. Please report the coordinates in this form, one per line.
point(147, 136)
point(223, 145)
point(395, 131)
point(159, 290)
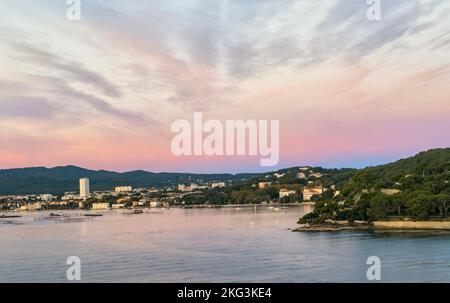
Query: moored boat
point(9, 216)
point(93, 215)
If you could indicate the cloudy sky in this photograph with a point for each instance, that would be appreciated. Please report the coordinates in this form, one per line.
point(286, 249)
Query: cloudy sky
point(103, 92)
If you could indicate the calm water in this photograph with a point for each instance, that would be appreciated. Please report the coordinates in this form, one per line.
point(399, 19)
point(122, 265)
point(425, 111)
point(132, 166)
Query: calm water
point(210, 245)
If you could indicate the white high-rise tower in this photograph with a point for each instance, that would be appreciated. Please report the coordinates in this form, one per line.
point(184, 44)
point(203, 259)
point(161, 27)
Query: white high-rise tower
point(84, 188)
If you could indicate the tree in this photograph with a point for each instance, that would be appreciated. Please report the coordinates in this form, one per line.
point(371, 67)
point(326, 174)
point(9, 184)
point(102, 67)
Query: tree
point(418, 207)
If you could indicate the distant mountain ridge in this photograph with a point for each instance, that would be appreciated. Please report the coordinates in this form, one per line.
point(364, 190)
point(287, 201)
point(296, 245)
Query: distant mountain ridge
point(57, 180)
point(431, 166)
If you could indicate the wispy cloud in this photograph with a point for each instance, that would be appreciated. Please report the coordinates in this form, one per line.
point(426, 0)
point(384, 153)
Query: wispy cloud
point(70, 69)
point(129, 68)
point(25, 107)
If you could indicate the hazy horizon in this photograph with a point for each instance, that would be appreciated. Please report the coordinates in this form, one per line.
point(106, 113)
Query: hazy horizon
point(218, 172)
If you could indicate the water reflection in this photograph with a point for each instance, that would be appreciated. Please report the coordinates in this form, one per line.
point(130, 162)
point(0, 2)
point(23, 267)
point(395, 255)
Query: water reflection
point(210, 245)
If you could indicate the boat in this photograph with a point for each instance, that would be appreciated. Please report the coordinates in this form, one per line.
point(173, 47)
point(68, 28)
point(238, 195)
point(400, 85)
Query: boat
point(133, 212)
point(276, 209)
point(93, 215)
point(9, 216)
point(270, 207)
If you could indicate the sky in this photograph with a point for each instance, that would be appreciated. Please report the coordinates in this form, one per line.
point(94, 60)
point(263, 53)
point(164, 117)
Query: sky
point(103, 92)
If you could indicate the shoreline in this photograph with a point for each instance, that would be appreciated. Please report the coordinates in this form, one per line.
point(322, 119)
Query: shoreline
point(241, 205)
point(194, 206)
point(325, 228)
point(382, 227)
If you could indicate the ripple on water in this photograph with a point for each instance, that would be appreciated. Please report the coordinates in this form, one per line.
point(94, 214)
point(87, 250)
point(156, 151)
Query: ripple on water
point(211, 245)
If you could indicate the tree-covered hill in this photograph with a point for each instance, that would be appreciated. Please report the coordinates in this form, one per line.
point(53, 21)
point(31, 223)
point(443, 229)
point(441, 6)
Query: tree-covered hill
point(39, 180)
point(416, 187)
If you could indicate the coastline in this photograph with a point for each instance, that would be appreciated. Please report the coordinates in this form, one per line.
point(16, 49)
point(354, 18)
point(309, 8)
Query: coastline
point(193, 206)
point(241, 205)
point(334, 226)
point(329, 228)
point(386, 227)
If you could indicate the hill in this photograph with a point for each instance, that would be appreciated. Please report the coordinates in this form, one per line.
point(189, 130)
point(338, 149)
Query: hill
point(40, 180)
point(417, 187)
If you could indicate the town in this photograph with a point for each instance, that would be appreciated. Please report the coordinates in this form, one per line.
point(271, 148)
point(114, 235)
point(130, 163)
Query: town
point(117, 198)
point(270, 188)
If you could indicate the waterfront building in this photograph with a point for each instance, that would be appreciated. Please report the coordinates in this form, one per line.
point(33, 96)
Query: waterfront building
point(286, 192)
point(31, 207)
point(84, 188)
point(101, 206)
point(310, 191)
point(68, 197)
point(139, 203)
point(118, 205)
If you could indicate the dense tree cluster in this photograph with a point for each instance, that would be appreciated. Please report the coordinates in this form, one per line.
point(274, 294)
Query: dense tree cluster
point(419, 188)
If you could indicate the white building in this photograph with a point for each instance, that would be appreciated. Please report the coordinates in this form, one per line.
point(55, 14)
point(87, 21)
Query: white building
point(286, 192)
point(308, 192)
point(101, 206)
point(218, 184)
point(84, 188)
point(194, 186)
point(181, 187)
point(47, 197)
point(139, 203)
point(68, 197)
point(123, 189)
point(118, 205)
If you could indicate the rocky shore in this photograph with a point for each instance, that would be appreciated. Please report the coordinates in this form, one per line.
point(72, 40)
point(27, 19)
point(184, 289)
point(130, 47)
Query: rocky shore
point(401, 226)
point(333, 226)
